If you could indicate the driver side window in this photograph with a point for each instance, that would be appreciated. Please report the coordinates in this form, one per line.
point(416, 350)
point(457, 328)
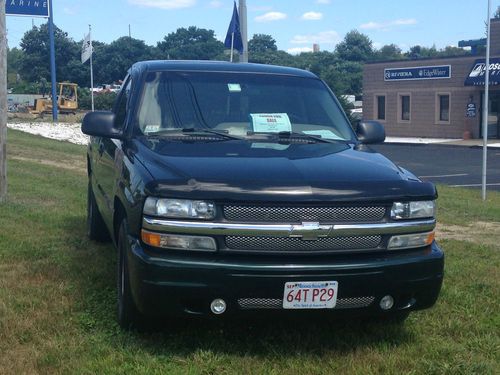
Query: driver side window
point(121, 105)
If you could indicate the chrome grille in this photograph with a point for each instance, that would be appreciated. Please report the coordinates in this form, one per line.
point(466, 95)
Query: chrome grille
point(275, 303)
point(279, 244)
point(282, 214)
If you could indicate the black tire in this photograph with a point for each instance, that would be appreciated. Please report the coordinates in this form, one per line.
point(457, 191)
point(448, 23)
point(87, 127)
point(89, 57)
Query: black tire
point(127, 312)
point(96, 228)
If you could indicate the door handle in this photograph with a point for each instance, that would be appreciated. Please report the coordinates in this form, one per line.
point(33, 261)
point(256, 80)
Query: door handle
point(101, 149)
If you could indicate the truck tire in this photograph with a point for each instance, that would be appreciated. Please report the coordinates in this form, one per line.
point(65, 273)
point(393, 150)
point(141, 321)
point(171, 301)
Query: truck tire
point(96, 228)
point(127, 312)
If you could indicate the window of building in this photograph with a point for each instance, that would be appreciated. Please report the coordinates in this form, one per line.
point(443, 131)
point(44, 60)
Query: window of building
point(443, 107)
point(405, 107)
point(380, 107)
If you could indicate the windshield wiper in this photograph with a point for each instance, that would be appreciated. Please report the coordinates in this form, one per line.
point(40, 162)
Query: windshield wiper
point(196, 132)
point(285, 135)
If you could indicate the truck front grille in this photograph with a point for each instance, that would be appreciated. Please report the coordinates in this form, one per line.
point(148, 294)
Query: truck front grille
point(287, 214)
point(275, 303)
point(283, 244)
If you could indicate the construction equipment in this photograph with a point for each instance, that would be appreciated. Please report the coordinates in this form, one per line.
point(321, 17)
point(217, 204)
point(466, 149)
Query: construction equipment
point(67, 100)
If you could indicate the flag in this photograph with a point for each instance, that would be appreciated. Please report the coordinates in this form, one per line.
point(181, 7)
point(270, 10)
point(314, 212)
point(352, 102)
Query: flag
point(86, 48)
point(233, 37)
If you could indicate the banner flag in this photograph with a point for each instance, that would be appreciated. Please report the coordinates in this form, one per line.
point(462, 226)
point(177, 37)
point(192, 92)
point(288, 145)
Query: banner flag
point(86, 49)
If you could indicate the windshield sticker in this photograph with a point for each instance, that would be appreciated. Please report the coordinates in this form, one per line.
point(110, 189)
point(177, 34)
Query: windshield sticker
point(234, 87)
point(270, 122)
point(151, 128)
point(323, 133)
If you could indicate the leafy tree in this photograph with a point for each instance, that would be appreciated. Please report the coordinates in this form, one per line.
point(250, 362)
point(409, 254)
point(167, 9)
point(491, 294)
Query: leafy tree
point(262, 43)
point(389, 52)
point(14, 59)
point(355, 47)
point(112, 61)
point(192, 43)
point(35, 63)
point(497, 13)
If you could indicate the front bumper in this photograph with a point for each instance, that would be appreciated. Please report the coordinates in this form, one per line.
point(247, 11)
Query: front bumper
point(186, 284)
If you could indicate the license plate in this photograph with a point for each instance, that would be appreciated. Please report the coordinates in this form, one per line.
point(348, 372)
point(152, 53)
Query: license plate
point(310, 295)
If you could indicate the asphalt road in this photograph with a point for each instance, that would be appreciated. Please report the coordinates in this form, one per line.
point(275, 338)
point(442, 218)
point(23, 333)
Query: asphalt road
point(451, 165)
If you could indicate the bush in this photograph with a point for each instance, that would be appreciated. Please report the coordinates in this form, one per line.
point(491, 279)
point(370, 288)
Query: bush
point(102, 101)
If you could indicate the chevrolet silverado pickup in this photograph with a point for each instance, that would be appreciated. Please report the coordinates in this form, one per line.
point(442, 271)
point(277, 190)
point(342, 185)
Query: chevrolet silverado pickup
point(242, 188)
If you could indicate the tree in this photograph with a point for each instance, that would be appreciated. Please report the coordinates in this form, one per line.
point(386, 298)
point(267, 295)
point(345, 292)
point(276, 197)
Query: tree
point(191, 44)
point(35, 64)
point(497, 13)
point(355, 47)
point(389, 52)
point(14, 59)
point(112, 61)
point(262, 43)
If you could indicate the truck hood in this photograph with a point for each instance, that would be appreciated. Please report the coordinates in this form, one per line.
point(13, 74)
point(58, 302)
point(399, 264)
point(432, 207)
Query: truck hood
point(241, 170)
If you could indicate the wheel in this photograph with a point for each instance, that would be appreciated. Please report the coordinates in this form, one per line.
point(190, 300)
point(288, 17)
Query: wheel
point(96, 228)
point(128, 315)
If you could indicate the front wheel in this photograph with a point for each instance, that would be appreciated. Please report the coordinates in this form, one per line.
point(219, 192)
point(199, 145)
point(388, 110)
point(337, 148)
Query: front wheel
point(128, 314)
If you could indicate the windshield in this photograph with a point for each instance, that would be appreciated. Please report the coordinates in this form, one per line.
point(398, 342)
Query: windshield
point(239, 104)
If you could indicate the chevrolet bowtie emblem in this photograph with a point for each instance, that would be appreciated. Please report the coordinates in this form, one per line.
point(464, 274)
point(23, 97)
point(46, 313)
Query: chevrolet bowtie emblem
point(310, 231)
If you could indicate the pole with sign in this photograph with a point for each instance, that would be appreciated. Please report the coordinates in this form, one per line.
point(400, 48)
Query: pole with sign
point(52, 64)
point(87, 51)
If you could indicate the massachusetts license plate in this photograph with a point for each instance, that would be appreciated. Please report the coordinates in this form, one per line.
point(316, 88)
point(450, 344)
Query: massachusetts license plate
point(310, 295)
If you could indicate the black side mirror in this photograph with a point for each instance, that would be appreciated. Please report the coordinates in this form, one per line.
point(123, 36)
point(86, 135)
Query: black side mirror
point(101, 124)
point(370, 132)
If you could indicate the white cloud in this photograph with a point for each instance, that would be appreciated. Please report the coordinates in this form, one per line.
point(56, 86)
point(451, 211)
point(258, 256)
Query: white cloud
point(215, 4)
point(323, 1)
point(271, 16)
point(312, 16)
point(323, 37)
point(297, 50)
point(164, 4)
point(388, 25)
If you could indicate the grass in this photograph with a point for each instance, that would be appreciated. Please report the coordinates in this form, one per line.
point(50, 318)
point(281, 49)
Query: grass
point(57, 298)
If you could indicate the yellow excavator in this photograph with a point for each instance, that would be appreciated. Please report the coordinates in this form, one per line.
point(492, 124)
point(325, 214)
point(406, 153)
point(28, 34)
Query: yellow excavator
point(67, 100)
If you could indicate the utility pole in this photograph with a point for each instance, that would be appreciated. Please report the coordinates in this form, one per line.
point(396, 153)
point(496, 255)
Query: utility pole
point(129, 31)
point(52, 62)
point(3, 104)
point(244, 30)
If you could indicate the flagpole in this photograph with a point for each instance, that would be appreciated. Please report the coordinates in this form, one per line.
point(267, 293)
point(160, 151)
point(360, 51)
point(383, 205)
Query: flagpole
point(486, 105)
point(232, 46)
point(91, 69)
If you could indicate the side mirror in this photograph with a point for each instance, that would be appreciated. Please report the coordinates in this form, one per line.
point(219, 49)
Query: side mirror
point(101, 124)
point(370, 132)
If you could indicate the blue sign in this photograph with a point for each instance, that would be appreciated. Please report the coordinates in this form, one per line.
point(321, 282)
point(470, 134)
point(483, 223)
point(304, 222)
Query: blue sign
point(30, 8)
point(418, 73)
point(478, 73)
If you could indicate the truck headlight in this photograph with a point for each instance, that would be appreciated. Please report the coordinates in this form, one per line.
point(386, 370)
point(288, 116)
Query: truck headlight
point(413, 210)
point(178, 242)
point(179, 208)
point(409, 241)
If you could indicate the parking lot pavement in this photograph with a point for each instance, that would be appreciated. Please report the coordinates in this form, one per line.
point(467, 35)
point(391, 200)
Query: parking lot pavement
point(456, 166)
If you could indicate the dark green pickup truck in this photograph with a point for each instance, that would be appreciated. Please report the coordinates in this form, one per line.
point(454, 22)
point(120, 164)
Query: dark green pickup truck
point(242, 188)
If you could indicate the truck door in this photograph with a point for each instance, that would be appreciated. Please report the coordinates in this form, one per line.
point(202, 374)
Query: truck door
point(106, 172)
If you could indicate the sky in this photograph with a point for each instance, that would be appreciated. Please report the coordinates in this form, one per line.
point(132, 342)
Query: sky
point(295, 24)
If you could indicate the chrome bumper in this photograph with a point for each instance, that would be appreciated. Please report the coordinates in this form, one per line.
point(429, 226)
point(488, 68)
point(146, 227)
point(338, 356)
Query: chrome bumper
point(286, 230)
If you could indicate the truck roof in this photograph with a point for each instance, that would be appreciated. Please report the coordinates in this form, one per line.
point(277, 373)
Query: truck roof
point(218, 66)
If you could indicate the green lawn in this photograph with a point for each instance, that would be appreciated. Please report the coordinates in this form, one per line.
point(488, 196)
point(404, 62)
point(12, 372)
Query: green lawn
point(57, 297)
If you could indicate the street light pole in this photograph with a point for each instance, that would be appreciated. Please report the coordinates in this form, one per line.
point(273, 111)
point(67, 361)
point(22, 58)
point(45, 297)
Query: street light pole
point(244, 30)
point(486, 104)
point(3, 104)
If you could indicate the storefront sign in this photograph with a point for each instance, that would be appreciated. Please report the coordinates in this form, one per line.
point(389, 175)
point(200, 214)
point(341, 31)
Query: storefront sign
point(478, 72)
point(418, 73)
point(471, 110)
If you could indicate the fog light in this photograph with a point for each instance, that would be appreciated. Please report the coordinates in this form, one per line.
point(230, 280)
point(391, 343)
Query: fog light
point(386, 302)
point(410, 241)
point(218, 306)
point(178, 242)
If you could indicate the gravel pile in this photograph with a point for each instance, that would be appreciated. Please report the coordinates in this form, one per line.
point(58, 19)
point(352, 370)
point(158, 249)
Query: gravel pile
point(58, 130)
